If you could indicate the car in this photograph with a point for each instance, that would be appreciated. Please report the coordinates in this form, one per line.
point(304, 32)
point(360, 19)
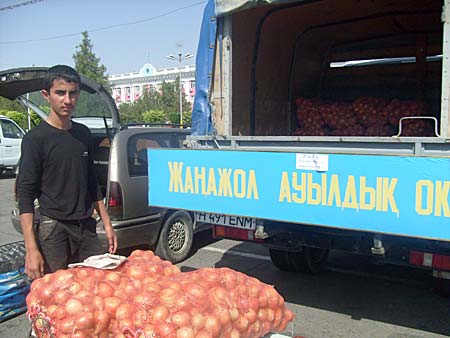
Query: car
point(120, 160)
point(10, 142)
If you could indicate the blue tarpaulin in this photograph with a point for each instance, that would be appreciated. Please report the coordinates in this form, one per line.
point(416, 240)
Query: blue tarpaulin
point(201, 112)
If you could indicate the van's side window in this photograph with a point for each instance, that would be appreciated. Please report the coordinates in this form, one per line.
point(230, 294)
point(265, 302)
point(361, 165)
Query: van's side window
point(137, 150)
point(10, 130)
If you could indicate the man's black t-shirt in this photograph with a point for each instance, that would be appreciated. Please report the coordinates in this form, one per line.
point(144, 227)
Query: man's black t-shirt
point(56, 167)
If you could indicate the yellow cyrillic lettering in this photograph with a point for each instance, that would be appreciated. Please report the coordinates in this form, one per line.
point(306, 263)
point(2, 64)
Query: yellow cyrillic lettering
point(420, 185)
point(350, 200)
point(301, 188)
point(200, 179)
point(176, 181)
point(388, 194)
point(252, 188)
point(188, 183)
point(225, 182)
point(441, 200)
point(313, 188)
point(363, 192)
point(212, 190)
point(239, 189)
point(334, 196)
point(285, 189)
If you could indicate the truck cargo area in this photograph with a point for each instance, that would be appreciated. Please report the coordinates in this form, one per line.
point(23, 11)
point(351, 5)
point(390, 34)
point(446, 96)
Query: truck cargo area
point(365, 74)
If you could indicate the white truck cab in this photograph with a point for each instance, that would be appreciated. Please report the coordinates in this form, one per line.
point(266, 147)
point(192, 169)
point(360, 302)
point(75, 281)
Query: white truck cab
point(10, 142)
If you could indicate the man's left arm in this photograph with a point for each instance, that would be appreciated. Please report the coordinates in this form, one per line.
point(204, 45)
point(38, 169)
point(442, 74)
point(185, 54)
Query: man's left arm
point(99, 206)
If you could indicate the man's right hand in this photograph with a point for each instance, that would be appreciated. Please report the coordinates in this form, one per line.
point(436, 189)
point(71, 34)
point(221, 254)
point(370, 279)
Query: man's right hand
point(34, 264)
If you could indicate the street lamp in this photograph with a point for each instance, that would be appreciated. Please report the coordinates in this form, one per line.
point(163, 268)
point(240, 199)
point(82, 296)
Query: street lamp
point(180, 57)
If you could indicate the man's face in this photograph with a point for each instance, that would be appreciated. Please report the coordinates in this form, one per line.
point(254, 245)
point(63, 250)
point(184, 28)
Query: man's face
point(62, 97)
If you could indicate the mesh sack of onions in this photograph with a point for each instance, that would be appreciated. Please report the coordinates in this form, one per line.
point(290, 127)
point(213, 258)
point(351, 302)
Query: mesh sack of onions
point(369, 111)
point(148, 297)
point(83, 302)
point(311, 131)
point(378, 130)
point(308, 113)
point(418, 128)
point(337, 115)
point(204, 303)
point(398, 109)
point(354, 129)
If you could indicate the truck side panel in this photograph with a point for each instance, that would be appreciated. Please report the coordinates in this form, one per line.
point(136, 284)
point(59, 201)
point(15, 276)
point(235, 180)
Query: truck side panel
point(398, 195)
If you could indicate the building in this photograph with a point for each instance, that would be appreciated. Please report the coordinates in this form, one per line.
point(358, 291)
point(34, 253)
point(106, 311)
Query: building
point(129, 87)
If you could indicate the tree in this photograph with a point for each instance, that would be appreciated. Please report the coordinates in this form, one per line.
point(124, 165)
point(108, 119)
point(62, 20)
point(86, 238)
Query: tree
point(87, 63)
point(154, 116)
point(8, 105)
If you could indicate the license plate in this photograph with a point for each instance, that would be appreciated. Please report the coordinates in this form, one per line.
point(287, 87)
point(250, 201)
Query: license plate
point(240, 222)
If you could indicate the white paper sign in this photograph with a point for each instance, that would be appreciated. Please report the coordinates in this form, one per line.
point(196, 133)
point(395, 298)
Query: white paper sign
point(311, 162)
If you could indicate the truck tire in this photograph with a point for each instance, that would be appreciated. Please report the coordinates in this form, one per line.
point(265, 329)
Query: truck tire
point(281, 259)
point(309, 260)
point(176, 237)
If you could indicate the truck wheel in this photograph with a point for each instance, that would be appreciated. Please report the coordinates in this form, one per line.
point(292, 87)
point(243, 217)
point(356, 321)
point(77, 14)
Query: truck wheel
point(176, 237)
point(442, 287)
point(310, 260)
point(281, 259)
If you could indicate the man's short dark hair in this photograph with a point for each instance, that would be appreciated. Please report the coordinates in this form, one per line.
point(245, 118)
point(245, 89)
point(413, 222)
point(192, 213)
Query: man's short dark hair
point(60, 72)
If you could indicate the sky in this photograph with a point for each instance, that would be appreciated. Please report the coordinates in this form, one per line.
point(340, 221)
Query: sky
point(125, 34)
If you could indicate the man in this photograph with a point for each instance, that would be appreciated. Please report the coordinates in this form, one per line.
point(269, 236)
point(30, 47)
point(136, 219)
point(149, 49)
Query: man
point(56, 167)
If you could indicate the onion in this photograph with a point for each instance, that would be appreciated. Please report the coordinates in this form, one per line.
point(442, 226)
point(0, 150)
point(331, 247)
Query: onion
point(185, 332)
point(84, 296)
point(124, 311)
point(85, 320)
point(203, 334)
point(181, 318)
point(45, 293)
point(241, 324)
point(218, 297)
point(62, 279)
point(159, 314)
point(102, 319)
point(111, 304)
point(113, 277)
point(97, 302)
point(251, 315)
point(105, 290)
point(61, 297)
point(135, 272)
point(75, 288)
point(73, 306)
point(198, 320)
point(212, 325)
point(66, 325)
point(164, 329)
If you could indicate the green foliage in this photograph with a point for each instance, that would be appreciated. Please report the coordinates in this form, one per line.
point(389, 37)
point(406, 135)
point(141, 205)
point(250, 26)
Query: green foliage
point(166, 100)
point(8, 105)
point(154, 116)
point(187, 118)
point(21, 118)
point(87, 63)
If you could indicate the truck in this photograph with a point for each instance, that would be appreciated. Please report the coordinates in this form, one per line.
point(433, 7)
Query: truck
point(318, 126)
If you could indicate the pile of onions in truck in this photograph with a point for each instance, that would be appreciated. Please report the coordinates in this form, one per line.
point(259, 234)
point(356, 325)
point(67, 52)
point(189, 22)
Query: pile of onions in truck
point(148, 297)
point(365, 116)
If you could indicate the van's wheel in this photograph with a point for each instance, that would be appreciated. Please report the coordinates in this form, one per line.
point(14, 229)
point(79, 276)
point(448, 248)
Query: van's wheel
point(309, 260)
point(176, 237)
point(281, 259)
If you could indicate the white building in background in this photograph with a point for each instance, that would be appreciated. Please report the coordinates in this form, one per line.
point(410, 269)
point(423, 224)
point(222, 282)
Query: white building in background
point(129, 87)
